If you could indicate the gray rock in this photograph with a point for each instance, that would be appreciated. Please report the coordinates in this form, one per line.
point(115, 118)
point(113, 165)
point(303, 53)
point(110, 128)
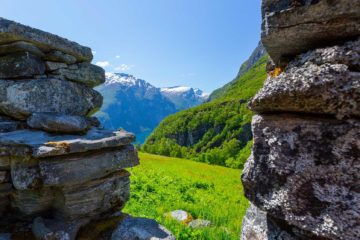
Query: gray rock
point(180, 216)
point(20, 65)
point(12, 32)
point(4, 176)
point(51, 66)
point(305, 170)
point(20, 99)
point(4, 162)
point(199, 223)
point(316, 82)
point(5, 189)
point(257, 225)
point(51, 229)
point(291, 27)
point(20, 47)
point(94, 198)
point(77, 169)
point(141, 229)
point(42, 144)
point(58, 56)
point(58, 123)
point(32, 202)
point(9, 125)
point(85, 73)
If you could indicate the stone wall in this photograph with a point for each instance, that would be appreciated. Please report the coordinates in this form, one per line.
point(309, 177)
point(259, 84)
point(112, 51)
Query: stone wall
point(304, 172)
point(58, 170)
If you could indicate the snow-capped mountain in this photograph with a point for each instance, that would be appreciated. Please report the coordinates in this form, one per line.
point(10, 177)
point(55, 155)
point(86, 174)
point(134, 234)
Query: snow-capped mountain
point(138, 106)
point(184, 97)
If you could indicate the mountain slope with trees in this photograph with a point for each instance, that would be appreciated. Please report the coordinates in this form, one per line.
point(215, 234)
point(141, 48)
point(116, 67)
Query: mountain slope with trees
point(216, 132)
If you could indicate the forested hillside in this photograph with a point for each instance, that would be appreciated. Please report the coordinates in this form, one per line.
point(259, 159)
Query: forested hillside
point(217, 132)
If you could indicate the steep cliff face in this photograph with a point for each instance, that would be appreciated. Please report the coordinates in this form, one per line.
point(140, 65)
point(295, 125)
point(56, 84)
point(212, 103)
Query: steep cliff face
point(302, 177)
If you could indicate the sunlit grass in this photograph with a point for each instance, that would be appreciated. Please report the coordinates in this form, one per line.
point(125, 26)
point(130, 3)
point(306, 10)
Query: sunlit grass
point(162, 184)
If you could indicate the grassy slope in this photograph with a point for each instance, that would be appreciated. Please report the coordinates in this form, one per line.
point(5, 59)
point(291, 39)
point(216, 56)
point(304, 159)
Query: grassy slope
point(162, 184)
point(221, 127)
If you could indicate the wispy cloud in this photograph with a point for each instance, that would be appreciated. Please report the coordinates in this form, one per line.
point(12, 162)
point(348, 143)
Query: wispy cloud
point(124, 67)
point(93, 52)
point(102, 64)
point(117, 56)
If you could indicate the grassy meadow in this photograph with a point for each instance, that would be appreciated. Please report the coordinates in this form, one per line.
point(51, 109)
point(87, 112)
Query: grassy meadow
point(163, 184)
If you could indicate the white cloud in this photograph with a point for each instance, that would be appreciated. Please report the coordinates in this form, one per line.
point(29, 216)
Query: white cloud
point(124, 67)
point(117, 56)
point(103, 64)
point(93, 52)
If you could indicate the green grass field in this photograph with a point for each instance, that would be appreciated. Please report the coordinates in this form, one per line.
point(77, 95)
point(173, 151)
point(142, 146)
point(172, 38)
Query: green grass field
point(163, 184)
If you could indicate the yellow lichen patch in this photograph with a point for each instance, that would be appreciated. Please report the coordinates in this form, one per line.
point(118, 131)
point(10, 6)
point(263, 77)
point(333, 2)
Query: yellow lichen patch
point(63, 145)
point(276, 72)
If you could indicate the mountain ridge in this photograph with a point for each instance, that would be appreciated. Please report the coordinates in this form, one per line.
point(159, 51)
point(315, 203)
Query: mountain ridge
point(138, 106)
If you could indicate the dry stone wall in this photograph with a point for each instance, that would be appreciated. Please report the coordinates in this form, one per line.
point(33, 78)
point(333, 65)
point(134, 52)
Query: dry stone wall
point(58, 170)
point(303, 175)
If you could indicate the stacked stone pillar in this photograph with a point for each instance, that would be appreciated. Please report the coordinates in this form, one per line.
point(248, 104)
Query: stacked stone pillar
point(58, 170)
point(303, 177)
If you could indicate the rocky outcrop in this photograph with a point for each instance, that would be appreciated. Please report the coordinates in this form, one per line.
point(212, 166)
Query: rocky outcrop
point(292, 27)
point(58, 171)
point(303, 175)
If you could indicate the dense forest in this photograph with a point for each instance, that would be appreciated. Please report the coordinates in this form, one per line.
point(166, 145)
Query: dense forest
point(216, 132)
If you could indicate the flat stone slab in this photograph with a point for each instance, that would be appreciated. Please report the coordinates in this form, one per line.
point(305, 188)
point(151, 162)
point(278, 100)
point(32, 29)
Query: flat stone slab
point(291, 27)
point(322, 81)
point(58, 123)
point(45, 144)
point(94, 198)
point(84, 73)
point(80, 168)
point(21, 98)
point(12, 32)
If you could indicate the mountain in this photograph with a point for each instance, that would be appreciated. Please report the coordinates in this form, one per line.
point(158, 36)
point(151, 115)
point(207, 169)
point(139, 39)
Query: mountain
point(256, 55)
point(184, 97)
point(138, 106)
point(218, 131)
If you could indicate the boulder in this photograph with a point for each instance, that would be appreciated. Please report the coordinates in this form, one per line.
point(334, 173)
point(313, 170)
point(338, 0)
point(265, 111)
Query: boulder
point(180, 216)
point(58, 123)
point(20, 65)
point(291, 27)
point(322, 81)
point(20, 47)
point(85, 73)
point(199, 223)
point(141, 229)
point(64, 170)
point(305, 170)
point(58, 56)
point(12, 32)
point(20, 99)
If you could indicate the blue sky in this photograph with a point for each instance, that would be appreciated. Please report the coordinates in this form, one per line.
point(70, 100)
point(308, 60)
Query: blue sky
point(198, 43)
